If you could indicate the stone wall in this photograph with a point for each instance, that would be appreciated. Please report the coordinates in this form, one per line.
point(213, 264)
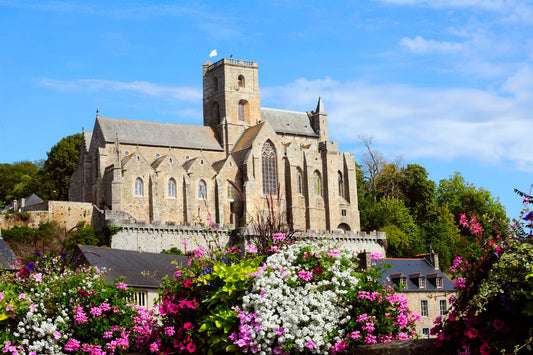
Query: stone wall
point(66, 214)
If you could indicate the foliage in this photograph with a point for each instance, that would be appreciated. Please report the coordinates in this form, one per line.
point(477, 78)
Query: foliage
point(109, 231)
point(195, 305)
point(49, 308)
point(39, 237)
point(82, 234)
point(172, 251)
point(311, 299)
point(17, 181)
point(490, 313)
point(392, 211)
point(61, 163)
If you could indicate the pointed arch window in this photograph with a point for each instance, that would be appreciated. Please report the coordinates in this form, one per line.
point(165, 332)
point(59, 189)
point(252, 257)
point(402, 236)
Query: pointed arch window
point(171, 187)
point(244, 110)
point(318, 183)
point(341, 185)
point(216, 112)
point(138, 187)
point(299, 181)
point(202, 190)
point(268, 162)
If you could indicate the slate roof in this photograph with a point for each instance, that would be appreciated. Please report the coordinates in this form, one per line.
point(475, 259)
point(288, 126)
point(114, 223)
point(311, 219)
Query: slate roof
point(412, 269)
point(159, 134)
point(288, 122)
point(7, 258)
point(33, 199)
point(139, 269)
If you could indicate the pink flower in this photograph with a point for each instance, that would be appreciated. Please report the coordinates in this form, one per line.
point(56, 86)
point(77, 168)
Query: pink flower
point(262, 293)
point(199, 252)
point(177, 274)
point(22, 296)
point(191, 348)
point(57, 335)
point(460, 282)
point(96, 311)
point(121, 286)
point(278, 236)
point(154, 347)
point(252, 249)
point(305, 275)
point(280, 331)
point(37, 277)
point(310, 344)
point(188, 326)
point(72, 345)
point(169, 331)
point(376, 256)
point(334, 253)
point(1, 296)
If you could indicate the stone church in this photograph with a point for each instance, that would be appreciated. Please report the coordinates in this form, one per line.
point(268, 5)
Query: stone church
point(171, 174)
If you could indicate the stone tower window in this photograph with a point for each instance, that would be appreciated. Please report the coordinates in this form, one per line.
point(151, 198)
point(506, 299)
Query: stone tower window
point(138, 187)
point(299, 185)
point(318, 183)
point(171, 187)
point(244, 110)
point(268, 162)
point(241, 81)
point(202, 190)
point(216, 112)
point(341, 185)
point(215, 83)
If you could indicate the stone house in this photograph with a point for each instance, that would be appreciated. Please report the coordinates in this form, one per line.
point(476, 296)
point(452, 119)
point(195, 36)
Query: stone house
point(425, 286)
point(225, 170)
point(141, 271)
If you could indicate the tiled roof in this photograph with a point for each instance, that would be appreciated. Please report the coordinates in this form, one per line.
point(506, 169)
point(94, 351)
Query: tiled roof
point(288, 122)
point(412, 269)
point(159, 134)
point(138, 269)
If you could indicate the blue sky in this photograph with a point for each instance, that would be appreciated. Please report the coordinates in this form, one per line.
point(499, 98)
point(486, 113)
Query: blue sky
point(447, 84)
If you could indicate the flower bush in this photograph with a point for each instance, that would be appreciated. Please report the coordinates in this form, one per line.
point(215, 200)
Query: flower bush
point(49, 308)
point(490, 313)
point(312, 299)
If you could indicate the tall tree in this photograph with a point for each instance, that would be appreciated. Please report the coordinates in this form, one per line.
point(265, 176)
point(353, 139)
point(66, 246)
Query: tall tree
point(17, 181)
point(372, 161)
point(61, 163)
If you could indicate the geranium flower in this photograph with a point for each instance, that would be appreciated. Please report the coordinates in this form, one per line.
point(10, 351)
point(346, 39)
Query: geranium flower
point(121, 286)
point(191, 347)
point(310, 344)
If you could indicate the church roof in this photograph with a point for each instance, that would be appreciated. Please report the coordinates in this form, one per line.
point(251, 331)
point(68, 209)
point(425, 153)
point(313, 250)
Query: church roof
point(87, 135)
point(247, 138)
point(288, 122)
point(159, 134)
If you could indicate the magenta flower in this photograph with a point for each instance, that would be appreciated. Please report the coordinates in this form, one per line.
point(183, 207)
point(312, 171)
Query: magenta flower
point(376, 256)
point(121, 286)
point(310, 344)
point(334, 253)
point(280, 331)
point(305, 275)
point(460, 282)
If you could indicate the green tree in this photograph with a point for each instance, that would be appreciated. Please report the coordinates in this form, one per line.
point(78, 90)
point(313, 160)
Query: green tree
point(462, 196)
point(82, 234)
point(17, 180)
point(391, 211)
point(61, 163)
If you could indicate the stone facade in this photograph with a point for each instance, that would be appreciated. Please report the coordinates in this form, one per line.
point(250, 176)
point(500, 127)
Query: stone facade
point(225, 171)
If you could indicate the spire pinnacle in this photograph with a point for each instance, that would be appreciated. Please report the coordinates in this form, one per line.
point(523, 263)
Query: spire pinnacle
point(320, 107)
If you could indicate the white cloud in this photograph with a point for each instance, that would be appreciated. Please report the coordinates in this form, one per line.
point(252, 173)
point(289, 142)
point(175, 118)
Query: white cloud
point(423, 46)
point(438, 123)
point(142, 87)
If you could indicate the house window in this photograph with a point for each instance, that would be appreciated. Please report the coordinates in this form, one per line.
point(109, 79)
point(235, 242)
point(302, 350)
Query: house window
point(425, 333)
point(231, 193)
point(424, 308)
point(341, 185)
point(171, 188)
point(241, 81)
point(422, 282)
point(138, 187)
point(318, 183)
point(403, 282)
point(438, 282)
point(299, 188)
point(270, 181)
point(202, 190)
point(140, 298)
point(443, 307)
point(343, 212)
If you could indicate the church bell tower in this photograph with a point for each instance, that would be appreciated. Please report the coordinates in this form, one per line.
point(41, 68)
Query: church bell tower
point(231, 98)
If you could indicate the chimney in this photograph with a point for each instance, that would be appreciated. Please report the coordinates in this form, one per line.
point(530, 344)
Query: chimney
point(364, 260)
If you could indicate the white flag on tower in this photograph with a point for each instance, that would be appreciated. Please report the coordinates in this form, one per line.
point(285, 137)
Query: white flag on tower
point(213, 53)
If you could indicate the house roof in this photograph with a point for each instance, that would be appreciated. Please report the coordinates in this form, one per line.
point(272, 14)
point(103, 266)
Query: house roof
point(412, 269)
point(159, 134)
point(288, 122)
point(33, 199)
point(138, 269)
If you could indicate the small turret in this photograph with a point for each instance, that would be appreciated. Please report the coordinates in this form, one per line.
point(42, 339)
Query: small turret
point(319, 121)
